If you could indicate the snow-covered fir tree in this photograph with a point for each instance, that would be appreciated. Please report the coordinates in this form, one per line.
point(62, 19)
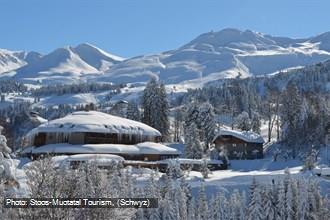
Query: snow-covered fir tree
point(206, 123)
point(174, 170)
point(291, 113)
point(155, 107)
point(193, 148)
point(281, 208)
point(285, 199)
point(8, 182)
point(243, 121)
point(204, 168)
point(202, 204)
point(202, 116)
point(133, 111)
point(255, 122)
point(237, 206)
point(4, 149)
point(255, 208)
point(310, 159)
point(163, 110)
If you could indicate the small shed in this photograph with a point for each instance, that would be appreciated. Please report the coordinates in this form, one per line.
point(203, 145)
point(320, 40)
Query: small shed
point(239, 144)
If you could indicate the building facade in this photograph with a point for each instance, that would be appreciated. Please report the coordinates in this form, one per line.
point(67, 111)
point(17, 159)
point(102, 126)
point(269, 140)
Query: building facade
point(239, 144)
point(92, 132)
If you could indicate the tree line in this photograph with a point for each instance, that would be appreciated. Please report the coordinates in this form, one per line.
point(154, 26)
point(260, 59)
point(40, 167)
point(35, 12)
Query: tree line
point(283, 198)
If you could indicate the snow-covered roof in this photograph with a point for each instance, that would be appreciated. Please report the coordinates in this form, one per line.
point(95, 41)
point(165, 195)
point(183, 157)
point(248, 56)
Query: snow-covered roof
point(93, 121)
point(98, 159)
point(65, 148)
point(247, 136)
point(190, 161)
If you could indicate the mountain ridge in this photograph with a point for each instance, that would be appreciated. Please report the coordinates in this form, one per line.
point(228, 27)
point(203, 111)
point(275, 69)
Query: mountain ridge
point(228, 53)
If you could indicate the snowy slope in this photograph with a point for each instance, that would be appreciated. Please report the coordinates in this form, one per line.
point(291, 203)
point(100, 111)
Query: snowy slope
point(70, 99)
point(10, 60)
point(228, 53)
point(96, 57)
point(66, 65)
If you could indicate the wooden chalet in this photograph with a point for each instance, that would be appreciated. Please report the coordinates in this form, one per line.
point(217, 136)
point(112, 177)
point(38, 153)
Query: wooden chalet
point(239, 144)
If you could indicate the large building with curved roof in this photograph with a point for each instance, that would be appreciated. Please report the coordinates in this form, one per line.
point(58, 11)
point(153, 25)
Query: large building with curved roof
point(100, 133)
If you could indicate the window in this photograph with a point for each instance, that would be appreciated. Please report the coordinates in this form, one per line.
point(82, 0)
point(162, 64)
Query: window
point(234, 145)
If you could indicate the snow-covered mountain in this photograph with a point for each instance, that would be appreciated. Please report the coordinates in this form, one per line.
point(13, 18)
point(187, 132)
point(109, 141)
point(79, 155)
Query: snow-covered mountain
point(65, 65)
point(225, 54)
point(96, 57)
point(228, 53)
point(11, 60)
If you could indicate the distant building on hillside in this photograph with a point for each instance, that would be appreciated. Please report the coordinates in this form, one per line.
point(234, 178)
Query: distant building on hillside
point(92, 132)
point(239, 144)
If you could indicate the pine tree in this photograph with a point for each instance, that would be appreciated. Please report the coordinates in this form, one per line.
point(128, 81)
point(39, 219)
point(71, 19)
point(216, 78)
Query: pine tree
point(203, 117)
point(7, 166)
point(310, 159)
point(169, 211)
point(237, 206)
point(140, 214)
point(4, 149)
point(148, 102)
point(133, 111)
point(255, 211)
point(193, 147)
point(156, 107)
point(268, 203)
point(192, 210)
point(302, 200)
point(206, 123)
point(291, 117)
point(204, 168)
point(243, 121)
point(281, 208)
point(174, 170)
point(181, 203)
point(203, 209)
point(224, 206)
point(295, 199)
point(164, 124)
point(214, 212)
point(289, 203)
point(255, 122)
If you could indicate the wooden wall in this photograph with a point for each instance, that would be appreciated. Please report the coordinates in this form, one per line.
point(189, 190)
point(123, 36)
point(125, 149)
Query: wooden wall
point(236, 148)
point(91, 138)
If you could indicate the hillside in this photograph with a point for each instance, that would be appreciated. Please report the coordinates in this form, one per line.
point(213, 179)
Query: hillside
point(11, 60)
point(65, 65)
point(229, 53)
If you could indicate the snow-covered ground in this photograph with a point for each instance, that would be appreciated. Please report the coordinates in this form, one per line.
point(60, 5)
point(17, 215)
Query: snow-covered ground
point(11, 98)
point(71, 99)
point(239, 175)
